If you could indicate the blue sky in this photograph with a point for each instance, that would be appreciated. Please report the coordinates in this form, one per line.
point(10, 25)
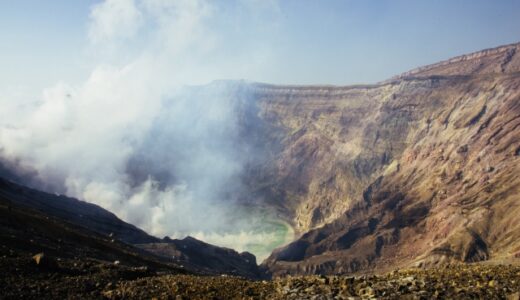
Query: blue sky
point(335, 42)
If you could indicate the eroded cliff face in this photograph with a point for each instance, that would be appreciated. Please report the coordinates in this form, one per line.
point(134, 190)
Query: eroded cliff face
point(421, 169)
point(334, 142)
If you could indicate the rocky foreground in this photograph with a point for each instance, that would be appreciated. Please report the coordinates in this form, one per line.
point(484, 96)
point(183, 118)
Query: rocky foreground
point(42, 277)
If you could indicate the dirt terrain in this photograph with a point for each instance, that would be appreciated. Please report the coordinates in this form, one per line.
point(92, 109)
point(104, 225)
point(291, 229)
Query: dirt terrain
point(91, 279)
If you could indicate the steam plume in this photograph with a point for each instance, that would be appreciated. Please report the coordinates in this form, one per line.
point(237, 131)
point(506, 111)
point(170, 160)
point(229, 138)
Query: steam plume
point(133, 138)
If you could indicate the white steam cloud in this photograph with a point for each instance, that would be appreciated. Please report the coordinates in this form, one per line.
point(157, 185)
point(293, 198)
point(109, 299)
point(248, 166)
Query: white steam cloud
point(114, 19)
point(133, 138)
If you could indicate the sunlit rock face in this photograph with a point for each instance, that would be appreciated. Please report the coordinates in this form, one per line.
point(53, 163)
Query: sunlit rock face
point(335, 141)
point(419, 170)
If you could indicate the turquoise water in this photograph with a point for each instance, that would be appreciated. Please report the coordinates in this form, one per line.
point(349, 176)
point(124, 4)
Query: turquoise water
point(254, 230)
point(279, 233)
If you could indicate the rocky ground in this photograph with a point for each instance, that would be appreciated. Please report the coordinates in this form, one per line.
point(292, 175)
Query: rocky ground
point(25, 278)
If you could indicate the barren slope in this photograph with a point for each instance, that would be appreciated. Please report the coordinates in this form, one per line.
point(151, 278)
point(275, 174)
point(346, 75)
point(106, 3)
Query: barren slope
point(33, 221)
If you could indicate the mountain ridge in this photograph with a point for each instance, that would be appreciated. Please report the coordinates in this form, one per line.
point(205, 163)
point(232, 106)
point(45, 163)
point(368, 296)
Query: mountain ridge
point(506, 53)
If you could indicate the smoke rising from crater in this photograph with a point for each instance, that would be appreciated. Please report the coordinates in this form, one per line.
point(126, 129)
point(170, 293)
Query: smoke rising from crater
point(133, 137)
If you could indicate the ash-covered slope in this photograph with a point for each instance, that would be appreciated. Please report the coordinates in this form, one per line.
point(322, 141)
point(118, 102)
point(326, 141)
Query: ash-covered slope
point(74, 211)
point(27, 230)
point(206, 258)
point(63, 227)
point(420, 169)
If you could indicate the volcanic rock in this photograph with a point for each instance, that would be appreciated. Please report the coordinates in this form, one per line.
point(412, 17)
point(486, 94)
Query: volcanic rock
point(418, 170)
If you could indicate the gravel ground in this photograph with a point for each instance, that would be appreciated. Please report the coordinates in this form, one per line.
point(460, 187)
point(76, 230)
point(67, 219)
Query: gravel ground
point(455, 282)
point(73, 279)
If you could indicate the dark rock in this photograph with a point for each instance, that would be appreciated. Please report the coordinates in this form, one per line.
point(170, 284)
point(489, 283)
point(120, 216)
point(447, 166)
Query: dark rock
point(462, 149)
point(44, 262)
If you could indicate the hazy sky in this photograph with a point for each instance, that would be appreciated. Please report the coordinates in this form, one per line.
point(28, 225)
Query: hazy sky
point(305, 42)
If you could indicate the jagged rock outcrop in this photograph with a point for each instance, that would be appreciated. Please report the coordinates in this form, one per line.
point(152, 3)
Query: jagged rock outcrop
point(418, 170)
